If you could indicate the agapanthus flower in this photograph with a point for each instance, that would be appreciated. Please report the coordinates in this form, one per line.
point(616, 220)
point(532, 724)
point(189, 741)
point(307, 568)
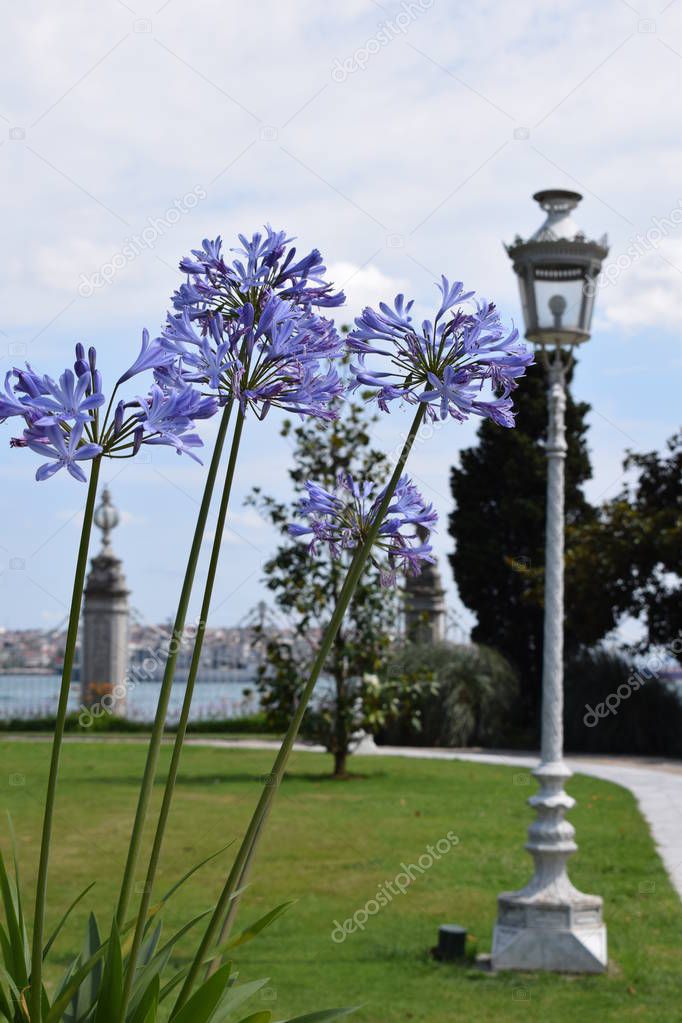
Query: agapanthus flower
point(63, 420)
point(166, 416)
point(152, 355)
point(65, 450)
point(264, 264)
point(246, 329)
point(12, 402)
point(73, 398)
point(462, 363)
point(342, 519)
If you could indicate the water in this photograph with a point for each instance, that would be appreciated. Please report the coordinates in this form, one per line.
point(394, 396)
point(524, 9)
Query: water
point(36, 696)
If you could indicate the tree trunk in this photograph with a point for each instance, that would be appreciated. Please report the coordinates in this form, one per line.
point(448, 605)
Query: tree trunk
point(340, 757)
point(341, 737)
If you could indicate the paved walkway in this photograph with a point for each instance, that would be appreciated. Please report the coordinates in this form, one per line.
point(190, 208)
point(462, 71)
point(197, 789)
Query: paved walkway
point(655, 783)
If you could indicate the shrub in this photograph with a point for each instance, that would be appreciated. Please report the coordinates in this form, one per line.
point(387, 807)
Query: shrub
point(625, 711)
point(469, 694)
point(252, 724)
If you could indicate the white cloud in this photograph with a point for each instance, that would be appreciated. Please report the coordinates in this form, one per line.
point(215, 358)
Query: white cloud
point(363, 286)
point(648, 292)
point(412, 167)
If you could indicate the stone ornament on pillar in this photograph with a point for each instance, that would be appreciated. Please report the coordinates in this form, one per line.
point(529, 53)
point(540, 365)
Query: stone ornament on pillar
point(106, 518)
point(549, 924)
point(104, 659)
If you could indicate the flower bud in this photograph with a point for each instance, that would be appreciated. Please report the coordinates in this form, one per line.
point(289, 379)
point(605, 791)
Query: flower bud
point(118, 418)
point(28, 382)
point(137, 439)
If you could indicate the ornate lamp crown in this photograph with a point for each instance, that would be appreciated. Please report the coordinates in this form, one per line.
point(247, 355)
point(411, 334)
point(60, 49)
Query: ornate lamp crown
point(557, 269)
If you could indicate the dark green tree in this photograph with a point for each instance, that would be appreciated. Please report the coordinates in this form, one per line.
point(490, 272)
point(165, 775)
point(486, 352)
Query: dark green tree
point(305, 589)
point(634, 546)
point(498, 526)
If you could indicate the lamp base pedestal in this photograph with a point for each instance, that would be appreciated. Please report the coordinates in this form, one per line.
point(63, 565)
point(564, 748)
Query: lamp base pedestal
point(549, 924)
point(566, 937)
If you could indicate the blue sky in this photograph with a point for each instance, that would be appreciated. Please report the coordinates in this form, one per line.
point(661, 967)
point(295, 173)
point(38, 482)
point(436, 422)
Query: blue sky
point(403, 139)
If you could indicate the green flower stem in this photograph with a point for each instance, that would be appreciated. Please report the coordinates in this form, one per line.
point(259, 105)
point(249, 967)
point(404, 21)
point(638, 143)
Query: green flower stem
point(242, 882)
point(166, 686)
point(254, 831)
point(35, 993)
point(184, 716)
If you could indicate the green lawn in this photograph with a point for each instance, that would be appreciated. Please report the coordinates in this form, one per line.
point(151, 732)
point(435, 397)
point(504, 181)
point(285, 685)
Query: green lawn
point(331, 844)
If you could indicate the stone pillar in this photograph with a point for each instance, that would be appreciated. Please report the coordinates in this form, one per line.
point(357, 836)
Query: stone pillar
point(104, 656)
point(549, 924)
point(425, 605)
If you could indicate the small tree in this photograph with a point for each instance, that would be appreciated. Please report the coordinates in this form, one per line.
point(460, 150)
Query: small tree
point(306, 590)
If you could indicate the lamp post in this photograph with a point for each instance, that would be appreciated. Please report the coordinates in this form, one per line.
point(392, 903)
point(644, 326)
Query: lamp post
point(549, 924)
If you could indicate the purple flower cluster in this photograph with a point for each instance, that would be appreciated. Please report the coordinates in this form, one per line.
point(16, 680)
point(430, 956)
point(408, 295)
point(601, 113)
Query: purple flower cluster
point(246, 329)
point(264, 265)
point(63, 421)
point(343, 519)
point(446, 363)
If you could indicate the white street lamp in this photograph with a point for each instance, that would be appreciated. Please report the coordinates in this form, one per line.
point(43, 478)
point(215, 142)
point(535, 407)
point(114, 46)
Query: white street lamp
point(549, 924)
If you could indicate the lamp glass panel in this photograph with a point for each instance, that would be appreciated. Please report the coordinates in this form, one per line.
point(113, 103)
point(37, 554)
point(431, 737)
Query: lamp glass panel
point(525, 284)
point(559, 297)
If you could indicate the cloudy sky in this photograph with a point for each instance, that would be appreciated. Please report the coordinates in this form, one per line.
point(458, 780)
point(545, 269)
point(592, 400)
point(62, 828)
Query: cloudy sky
point(402, 139)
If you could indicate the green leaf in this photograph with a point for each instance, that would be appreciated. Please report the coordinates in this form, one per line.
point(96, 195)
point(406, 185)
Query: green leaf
point(110, 999)
point(198, 866)
point(258, 1017)
point(203, 1003)
point(17, 893)
point(183, 930)
point(75, 977)
point(53, 937)
point(149, 946)
point(72, 982)
point(6, 945)
point(148, 975)
point(163, 955)
point(15, 945)
point(249, 933)
point(168, 988)
point(235, 997)
point(5, 1007)
point(7, 980)
point(86, 994)
point(157, 907)
point(149, 1003)
point(174, 981)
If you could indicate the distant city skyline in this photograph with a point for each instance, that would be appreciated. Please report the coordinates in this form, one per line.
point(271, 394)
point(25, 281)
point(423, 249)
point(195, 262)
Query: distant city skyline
point(42, 649)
